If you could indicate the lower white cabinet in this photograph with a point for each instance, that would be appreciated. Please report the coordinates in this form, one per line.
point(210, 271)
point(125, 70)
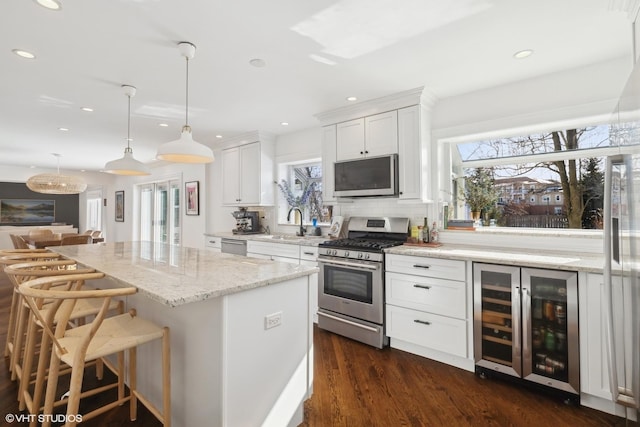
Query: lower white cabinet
point(428, 308)
point(213, 243)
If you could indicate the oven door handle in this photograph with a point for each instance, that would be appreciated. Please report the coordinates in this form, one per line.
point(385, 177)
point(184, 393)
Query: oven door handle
point(350, 264)
point(340, 319)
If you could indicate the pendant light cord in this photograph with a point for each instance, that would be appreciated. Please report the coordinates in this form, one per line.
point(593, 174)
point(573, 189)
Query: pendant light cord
point(129, 124)
point(186, 120)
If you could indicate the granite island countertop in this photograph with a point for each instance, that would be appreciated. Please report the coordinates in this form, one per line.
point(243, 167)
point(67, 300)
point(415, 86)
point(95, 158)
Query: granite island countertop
point(174, 275)
point(591, 263)
point(290, 239)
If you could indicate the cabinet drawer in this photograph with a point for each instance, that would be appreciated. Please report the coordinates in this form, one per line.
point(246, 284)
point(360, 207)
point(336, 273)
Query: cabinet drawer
point(274, 249)
point(309, 253)
point(438, 296)
point(427, 267)
point(428, 330)
point(213, 242)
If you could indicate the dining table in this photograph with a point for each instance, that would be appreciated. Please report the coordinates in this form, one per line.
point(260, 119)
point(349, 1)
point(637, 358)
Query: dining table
point(40, 242)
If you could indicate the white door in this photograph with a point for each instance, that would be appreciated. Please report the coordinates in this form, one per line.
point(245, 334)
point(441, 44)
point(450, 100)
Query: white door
point(160, 212)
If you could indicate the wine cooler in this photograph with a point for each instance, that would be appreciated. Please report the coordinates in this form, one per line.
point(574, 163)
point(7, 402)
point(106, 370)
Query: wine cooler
point(526, 324)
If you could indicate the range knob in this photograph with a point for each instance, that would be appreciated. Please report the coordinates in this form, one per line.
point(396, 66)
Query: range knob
point(334, 252)
point(346, 254)
point(367, 256)
point(360, 255)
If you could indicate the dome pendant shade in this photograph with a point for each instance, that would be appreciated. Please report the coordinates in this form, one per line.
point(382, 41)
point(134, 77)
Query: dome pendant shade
point(55, 183)
point(127, 165)
point(185, 150)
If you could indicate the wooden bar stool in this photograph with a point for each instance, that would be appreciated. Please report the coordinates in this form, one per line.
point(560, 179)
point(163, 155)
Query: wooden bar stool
point(22, 367)
point(16, 256)
point(102, 337)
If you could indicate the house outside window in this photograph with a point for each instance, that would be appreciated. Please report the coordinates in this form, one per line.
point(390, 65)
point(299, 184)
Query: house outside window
point(301, 187)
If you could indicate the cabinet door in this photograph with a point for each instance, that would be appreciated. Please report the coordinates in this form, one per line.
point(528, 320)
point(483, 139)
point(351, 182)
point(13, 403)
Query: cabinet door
point(350, 140)
point(249, 175)
point(328, 160)
point(381, 134)
point(409, 153)
point(231, 176)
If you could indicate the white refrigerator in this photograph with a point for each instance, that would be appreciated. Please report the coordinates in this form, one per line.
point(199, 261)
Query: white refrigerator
point(622, 251)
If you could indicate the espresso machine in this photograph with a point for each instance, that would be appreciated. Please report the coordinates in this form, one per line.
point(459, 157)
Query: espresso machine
point(247, 222)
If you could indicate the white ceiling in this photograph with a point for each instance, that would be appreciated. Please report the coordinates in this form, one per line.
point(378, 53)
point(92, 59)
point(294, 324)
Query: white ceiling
point(316, 52)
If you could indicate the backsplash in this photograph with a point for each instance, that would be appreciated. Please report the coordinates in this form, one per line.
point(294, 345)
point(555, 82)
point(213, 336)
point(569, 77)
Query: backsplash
point(383, 207)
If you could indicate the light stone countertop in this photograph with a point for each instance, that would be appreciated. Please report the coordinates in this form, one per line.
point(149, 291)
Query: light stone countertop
point(591, 263)
point(290, 239)
point(174, 275)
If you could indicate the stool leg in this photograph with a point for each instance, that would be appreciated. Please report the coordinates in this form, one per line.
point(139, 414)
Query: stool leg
point(21, 320)
point(166, 378)
point(52, 387)
point(75, 389)
point(121, 375)
point(15, 298)
point(133, 383)
point(27, 361)
point(41, 373)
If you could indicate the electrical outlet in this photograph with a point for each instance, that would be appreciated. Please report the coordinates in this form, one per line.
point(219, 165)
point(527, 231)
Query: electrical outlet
point(272, 320)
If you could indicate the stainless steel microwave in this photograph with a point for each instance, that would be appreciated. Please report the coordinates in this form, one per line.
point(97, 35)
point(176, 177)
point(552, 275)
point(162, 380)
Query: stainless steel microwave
point(367, 177)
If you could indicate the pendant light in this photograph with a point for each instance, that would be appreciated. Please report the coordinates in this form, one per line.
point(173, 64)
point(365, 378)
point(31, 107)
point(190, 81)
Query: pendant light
point(185, 149)
point(127, 165)
point(55, 183)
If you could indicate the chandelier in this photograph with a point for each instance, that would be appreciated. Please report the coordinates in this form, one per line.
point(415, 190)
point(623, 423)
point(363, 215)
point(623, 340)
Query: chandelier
point(56, 183)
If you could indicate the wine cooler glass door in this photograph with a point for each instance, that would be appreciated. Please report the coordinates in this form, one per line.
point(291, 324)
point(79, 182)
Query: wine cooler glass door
point(497, 318)
point(550, 328)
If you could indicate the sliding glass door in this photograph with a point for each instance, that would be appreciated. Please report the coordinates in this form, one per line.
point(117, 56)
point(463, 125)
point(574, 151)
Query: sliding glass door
point(160, 212)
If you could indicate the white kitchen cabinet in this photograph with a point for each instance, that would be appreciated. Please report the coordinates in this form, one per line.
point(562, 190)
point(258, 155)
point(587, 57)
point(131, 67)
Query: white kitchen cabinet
point(247, 174)
point(427, 308)
point(309, 256)
point(594, 369)
point(328, 160)
point(350, 139)
point(370, 136)
point(381, 134)
point(413, 152)
point(213, 243)
point(275, 251)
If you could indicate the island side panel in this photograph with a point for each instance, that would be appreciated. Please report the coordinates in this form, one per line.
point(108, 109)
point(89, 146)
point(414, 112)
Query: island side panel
point(267, 371)
point(196, 359)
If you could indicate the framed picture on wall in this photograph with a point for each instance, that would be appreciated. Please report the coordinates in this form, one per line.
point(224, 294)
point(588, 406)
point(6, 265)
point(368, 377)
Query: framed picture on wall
point(120, 206)
point(191, 198)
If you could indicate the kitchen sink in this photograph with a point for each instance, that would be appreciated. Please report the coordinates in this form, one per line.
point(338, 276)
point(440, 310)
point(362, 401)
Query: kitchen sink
point(280, 237)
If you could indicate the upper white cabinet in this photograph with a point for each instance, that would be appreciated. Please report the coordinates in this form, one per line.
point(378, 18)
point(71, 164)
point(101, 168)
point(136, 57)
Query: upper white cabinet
point(328, 159)
point(247, 173)
point(412, 154)
point(370, 136)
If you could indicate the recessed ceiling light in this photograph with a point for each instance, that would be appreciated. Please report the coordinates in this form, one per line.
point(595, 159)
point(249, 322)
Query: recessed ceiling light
point(218, 136)
point(50, 4)
point(352, 98)
point(163, 125)
point(523, 54)
point(24, 53)
point(284, 123)
point(87, 109)
point(63, 129)
point(258, 63)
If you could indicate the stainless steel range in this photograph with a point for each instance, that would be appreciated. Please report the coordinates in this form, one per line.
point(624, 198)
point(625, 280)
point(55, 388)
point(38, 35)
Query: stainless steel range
point(351, 279)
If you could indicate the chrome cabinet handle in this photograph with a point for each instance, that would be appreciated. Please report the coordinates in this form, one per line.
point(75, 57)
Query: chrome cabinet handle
point(308, 253)
point(422, 286)
point(422, 322)
point(421, 266)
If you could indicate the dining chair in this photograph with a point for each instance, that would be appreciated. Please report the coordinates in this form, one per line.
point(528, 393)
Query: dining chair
point(79, 239)
point(96, 234)
point(102, 337)
point(40, 232)
point(18, 242)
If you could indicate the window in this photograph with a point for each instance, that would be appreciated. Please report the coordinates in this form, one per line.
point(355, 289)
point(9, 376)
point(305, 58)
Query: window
point(94, 210)
point(544, 165)
point(301, 186)
point(160, 212)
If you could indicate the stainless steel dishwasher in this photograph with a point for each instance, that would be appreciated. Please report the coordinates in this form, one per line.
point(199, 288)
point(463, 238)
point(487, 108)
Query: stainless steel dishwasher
point(234, 246)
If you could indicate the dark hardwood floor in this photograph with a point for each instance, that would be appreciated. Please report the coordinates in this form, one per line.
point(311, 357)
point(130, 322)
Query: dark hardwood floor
point(357, 385)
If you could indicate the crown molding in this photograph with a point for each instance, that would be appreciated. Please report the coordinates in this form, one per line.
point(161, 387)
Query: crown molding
point(630, 7)
point(417, 96)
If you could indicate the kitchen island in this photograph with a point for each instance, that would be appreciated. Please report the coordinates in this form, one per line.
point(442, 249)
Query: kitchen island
point(241, 330)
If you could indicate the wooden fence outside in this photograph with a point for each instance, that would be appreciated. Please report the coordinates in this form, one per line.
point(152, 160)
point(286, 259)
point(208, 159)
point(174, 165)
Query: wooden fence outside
point(536, 221)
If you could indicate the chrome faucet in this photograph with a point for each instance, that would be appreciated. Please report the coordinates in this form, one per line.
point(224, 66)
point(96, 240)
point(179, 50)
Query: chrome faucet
point(302, 229)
